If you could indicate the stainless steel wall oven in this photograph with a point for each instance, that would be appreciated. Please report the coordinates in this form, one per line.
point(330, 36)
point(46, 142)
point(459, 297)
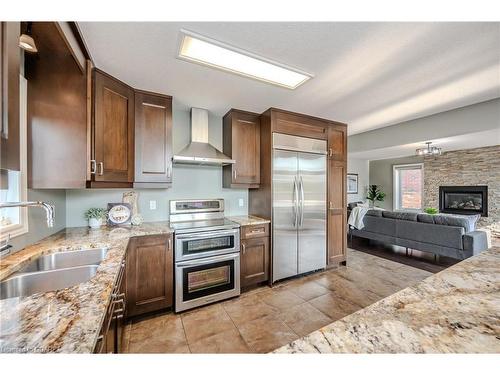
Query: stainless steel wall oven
point(207, 253)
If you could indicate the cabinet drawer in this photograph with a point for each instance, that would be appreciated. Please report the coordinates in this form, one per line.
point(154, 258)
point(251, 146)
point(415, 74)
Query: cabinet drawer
point(255, 231)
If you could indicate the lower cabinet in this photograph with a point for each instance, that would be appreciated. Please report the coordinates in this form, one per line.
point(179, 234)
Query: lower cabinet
point(150, 278)
point(111, 335)
point(254, 255)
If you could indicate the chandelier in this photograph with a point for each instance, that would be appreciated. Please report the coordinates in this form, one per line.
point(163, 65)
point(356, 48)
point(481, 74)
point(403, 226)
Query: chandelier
point(429, 150)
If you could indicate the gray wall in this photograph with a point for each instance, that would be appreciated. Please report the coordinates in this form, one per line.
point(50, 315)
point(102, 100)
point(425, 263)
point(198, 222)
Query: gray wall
point(37, 227)
point(381, 174)
point(361, 168)
point(188, 182)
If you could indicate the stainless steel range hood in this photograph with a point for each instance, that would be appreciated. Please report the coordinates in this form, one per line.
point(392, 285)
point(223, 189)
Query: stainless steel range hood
point(199, 151)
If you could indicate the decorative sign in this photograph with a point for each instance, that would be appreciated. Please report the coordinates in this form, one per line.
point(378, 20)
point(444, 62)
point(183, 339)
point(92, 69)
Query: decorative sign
point(119, 213)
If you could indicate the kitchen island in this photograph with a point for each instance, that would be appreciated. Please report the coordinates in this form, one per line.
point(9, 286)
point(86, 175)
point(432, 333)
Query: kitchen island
point(454, 311)
point(66, 320)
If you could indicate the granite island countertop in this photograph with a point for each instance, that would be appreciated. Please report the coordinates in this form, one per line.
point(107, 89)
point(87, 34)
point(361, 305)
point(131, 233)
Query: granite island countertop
point(66, 320)
point(454, 311)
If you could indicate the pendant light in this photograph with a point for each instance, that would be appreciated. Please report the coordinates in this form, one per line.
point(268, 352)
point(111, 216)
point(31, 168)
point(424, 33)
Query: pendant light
point(26, 41)
point(429, 150)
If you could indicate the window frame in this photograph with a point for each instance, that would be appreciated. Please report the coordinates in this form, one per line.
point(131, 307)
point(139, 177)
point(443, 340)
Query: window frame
point(21, 228)
point(395, 185)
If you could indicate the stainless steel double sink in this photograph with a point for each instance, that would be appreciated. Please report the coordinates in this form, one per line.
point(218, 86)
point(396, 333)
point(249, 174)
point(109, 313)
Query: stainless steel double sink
point(52, 272)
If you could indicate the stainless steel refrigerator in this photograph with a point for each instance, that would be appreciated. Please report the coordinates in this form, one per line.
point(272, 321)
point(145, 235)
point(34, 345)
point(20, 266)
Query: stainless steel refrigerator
point(299, 205)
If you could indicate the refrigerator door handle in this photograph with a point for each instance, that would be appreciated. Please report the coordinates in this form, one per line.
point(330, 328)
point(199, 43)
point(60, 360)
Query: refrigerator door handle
point(295, 202)
point(301, 187)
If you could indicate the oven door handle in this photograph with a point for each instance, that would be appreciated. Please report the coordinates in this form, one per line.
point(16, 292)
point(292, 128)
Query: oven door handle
point(214, 234)
point(208, 260)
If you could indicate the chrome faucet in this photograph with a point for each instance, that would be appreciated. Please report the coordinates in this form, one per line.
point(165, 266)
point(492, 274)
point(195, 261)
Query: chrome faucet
point(49, 209)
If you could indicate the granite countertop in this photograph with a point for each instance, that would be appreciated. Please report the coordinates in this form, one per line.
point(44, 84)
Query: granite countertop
point(248, 220)
point(454, 311)
point(66, 320)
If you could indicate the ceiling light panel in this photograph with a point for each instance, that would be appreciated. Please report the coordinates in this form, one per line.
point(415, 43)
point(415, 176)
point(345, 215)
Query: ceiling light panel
point(199, 49)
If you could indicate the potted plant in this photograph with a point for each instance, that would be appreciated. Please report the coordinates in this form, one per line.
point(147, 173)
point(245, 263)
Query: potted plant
point(95, 216)
point(431, 211)
point(375, 194)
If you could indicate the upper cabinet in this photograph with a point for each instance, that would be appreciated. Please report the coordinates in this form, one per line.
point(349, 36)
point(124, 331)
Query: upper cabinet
point(9, 94)
point(98, 130)
point(56, 113)
point(241, 142)
point(337, 142)
point(113, 131)
point(298, 124)
point(153, 140)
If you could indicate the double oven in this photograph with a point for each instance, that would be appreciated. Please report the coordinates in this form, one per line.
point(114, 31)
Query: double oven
point(207, 253)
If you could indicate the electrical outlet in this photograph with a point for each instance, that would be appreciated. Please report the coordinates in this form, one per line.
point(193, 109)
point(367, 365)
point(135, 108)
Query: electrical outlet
point(241, 203)
point(152, 205)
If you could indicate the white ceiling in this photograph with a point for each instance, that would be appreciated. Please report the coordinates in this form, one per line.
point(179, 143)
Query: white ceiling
point(369, 75)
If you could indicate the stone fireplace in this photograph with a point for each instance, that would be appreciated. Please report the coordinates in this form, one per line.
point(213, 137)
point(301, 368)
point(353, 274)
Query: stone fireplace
point(466, 200)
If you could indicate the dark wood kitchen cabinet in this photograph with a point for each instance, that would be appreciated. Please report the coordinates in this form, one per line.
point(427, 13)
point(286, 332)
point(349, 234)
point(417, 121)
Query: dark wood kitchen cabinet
point(153, 140)
point(57, 113)
point(241, 142)
point(260, 201)
point(113, 132)
point(149, 284)
point(254, 265)
point(9, 94)
point(111, 336)
point(337, 194)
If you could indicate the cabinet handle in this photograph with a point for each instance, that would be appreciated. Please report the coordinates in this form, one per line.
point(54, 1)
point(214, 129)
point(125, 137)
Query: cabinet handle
point(243, 247)
point(331, 206)
point(169, 244)
point(330, 152)
point(93, 167)
point(261, 230)
point(235, 174)
point(169, 171)
point(101, 168)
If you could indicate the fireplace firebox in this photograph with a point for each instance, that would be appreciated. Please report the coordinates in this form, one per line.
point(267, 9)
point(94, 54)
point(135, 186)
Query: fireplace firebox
point(465, 200)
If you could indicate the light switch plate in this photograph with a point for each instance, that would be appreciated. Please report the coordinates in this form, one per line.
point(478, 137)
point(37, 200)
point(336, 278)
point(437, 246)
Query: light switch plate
point(241, 203)
point(152, 205)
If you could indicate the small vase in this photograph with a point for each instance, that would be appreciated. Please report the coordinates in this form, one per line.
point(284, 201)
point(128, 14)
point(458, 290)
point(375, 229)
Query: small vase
point(95, 223)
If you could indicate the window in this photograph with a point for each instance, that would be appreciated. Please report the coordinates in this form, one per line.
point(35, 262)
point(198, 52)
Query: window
point(13, 184)
point(408, 186)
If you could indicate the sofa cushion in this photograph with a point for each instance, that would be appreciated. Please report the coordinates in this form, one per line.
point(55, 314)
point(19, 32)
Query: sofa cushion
point(425, 218)
point(377, 213)
point(449, 236)
point(400, 215)
point(380, 225)
point(468, 222)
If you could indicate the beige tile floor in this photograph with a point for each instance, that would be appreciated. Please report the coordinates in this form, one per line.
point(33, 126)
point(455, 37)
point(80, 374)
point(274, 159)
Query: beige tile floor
point(266, 318)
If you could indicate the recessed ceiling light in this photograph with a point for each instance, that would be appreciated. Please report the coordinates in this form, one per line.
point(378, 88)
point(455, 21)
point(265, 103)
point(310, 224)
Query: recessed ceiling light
point(205, 51)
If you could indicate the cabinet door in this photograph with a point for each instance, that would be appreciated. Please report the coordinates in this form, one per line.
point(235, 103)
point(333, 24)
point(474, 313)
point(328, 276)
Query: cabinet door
point(300, 125)
point(113, 129)
point(120, 315)
point(254, 261)
point(337, 226)
point(9, 95)
point(149, 274)
point(246, 149)
point(241, 141)
point(153, 138)
point(337, 143)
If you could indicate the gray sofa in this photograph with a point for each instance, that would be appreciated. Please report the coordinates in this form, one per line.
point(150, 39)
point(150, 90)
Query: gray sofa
point(447, 235)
